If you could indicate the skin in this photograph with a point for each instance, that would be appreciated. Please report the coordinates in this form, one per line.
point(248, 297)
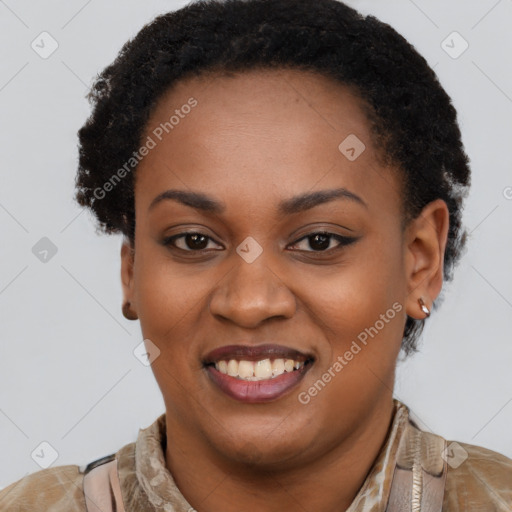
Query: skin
point(253, 140)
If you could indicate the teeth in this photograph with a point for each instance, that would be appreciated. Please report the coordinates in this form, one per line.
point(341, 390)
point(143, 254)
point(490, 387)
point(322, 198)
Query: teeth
point(277, 367)
point(263, 369)
point(232, 368)
point(257, 370)
point(245, 369)
point(289, 365)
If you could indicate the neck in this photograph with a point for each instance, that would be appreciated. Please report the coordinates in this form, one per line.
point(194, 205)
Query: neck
point(328, 482)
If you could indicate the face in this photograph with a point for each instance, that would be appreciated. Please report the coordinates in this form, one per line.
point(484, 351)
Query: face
point(269, 266)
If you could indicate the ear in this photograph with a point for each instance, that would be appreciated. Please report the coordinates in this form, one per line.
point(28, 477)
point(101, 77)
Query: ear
point(425, 244)
point(127, 281)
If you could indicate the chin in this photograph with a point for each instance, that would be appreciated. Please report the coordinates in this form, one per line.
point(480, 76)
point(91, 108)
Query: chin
point(264, 455)
point(261, 448)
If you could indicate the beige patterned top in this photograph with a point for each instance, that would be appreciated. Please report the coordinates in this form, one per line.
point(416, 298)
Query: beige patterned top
point(478, 479)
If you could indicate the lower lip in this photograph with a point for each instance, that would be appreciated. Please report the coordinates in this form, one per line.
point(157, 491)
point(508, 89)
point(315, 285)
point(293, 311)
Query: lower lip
point(257, 391)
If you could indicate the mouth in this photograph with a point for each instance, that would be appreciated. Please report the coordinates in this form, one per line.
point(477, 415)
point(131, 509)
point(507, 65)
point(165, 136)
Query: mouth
point(258, 373)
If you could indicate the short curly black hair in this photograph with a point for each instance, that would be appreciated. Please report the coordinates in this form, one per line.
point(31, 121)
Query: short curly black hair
point(412, 117)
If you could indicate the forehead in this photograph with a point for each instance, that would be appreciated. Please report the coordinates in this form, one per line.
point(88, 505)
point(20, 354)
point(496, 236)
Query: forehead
point(303, 103)
point(261, 133)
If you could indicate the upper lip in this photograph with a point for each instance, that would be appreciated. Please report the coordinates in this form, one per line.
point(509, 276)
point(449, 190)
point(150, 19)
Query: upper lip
point(254, 353)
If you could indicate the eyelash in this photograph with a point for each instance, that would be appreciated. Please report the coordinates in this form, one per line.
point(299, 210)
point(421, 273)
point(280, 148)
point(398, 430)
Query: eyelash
point(343, 241)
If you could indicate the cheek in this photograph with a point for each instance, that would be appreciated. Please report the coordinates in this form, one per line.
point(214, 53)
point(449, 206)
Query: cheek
point(361, 300)
point(359, 312)
point(170, 305)
point(170, 301)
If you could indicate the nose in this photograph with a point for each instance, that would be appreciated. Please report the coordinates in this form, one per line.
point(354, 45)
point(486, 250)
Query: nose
point(252, 293)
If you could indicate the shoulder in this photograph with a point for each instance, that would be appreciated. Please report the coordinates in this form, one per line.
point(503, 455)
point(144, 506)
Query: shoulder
point(61, 488)
point(477, 477)
point(58, 489)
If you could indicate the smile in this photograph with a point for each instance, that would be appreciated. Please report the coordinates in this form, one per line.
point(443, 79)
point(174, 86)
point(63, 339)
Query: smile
point(258, 370)
point(256, 374)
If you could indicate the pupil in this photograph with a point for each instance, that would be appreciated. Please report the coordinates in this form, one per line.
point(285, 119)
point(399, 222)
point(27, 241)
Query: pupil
point(319, 241)
point(196, 241)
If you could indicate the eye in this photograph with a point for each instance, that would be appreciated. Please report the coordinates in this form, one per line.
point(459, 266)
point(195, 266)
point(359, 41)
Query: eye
point(321, 241)
point(191, 241)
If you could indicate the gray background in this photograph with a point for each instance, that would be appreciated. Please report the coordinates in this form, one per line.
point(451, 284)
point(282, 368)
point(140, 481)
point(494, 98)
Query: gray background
point(67, 372)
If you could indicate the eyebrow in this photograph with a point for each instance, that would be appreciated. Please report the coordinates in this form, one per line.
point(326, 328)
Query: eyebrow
point(289, 206)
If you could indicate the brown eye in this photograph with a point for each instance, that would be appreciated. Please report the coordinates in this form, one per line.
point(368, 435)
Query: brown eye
point(189, 241)
point(321, 242)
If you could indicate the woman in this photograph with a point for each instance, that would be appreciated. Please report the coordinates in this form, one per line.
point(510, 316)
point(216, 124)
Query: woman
point(289, 178)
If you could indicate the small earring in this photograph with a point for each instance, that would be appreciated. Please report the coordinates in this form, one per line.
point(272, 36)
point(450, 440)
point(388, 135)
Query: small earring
point(423, 307)
point(128, 313)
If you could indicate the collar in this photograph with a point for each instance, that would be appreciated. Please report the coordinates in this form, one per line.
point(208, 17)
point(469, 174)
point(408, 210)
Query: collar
point(163, 494)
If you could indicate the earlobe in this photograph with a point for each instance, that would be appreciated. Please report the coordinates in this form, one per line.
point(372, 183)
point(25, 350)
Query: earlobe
point(128, 313)
point(424, 307)
point(127, 279)
point(425, 247)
